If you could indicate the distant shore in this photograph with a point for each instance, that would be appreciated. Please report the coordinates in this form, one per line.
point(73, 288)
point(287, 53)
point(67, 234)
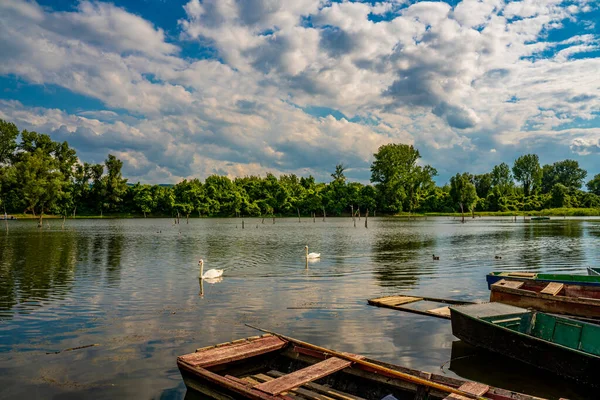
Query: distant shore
point(552, 212)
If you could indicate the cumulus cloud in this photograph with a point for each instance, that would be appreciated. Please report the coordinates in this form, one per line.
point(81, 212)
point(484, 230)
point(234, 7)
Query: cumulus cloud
point(463, 82)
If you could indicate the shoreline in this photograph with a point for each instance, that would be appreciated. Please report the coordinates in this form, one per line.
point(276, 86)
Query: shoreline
point(552, 212)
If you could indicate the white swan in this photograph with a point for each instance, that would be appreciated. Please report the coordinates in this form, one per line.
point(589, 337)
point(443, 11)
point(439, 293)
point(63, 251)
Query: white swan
point(311, 255)
point(211, 273)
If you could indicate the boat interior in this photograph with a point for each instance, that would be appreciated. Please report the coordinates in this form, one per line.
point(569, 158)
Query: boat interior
point(553, 288)
point(302, 373)
point(563, 331)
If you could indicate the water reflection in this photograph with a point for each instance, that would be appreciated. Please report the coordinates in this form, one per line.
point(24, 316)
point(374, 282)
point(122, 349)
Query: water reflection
point(130, 285)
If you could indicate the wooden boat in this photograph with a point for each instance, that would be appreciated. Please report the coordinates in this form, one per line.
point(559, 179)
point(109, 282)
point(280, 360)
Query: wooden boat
point(561, 345)
point(585, 280)
point(593, 271)
point(271, 367)
point(398, 302)
point(553, 297)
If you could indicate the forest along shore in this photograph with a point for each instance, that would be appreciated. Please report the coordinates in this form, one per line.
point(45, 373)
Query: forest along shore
point(39, 176)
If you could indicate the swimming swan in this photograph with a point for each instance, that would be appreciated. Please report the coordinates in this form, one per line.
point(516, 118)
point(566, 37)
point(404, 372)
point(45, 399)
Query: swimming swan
point(311, 255)
point(211, 273)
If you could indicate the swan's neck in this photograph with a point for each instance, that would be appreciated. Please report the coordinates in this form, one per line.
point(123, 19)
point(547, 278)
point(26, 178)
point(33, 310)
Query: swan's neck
point(201, 270)
point(306, 248)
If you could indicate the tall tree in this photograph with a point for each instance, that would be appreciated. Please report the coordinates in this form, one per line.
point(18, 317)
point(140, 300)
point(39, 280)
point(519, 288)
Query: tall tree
point(566, 172)
point(8, 140)
point(463, 192)
point(527, 170)
point(114, 184)
point(398, 178)
point(594, 185)
point(483, 184)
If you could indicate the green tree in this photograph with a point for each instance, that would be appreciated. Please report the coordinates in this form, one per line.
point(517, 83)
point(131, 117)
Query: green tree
point(526, 170)
point(483, 184)
point(566, 172)
point(594, 185)
point(398, 178)
point(463, 192)
point(142, 198)
point(114, 184)
point(8, 140)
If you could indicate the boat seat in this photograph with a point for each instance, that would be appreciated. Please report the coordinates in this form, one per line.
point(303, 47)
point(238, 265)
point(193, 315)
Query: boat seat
point(211, 356)
point(553, 288)
point(509, 284)
point(304, 375)
point(474, 388)
point(324, 390)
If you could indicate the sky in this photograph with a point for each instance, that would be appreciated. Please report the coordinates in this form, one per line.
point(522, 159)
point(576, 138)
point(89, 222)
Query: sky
point(187, 89)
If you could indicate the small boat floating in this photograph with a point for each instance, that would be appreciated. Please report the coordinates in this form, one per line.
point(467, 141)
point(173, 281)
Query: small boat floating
point(564, 346)
point(586, 280)
point(553, 297)
point(398, 302)
point(274, 367)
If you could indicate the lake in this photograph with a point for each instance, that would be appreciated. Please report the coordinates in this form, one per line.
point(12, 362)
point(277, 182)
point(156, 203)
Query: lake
point(131, 288)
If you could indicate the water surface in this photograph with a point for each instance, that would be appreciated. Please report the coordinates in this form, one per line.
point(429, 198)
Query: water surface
point(131, 287)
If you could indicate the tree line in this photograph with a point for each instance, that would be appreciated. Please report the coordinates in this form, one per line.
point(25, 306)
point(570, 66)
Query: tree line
point(40, 176)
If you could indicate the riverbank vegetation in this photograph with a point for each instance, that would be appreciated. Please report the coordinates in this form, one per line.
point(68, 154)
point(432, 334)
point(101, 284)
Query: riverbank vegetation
point(40, 176)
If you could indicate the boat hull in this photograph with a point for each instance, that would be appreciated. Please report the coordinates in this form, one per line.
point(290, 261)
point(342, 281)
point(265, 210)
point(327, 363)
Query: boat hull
point(589, 308)
point(588, 280)
point(545, 355)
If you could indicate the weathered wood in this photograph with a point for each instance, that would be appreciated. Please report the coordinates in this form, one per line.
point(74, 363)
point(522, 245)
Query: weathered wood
point(475, 388)
point(442, 311)
point(303, 376)
point(509, 284)
point(553, 288)
point(233, 352)
point(309, 394)
point(423, 391)
point(394, 300)
point(332, 393)
point(522, 274)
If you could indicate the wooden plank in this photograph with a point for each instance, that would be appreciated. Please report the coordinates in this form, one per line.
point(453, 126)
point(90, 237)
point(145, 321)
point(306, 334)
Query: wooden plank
point(476, 388)
point(233, 352)
point(522, 274)
point(395, 300)
point(422, 390)
point(302, 376)
point(509, 284)
point(309, 394)
point(335, 394)
point(443, 311)
point(553, 288)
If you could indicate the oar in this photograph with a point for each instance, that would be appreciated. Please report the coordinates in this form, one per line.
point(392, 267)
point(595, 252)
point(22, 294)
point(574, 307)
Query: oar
point(393, 372)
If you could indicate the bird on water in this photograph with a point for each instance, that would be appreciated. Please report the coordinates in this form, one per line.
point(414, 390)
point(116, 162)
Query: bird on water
point(436, 257)
point(211, 273)
point(311, 255)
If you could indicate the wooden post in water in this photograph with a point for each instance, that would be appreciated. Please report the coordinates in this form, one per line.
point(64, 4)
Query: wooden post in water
point(314, 216)
point(358, 212)
point(353, 219)
point(323, 213)
point(297, 209)
point(273, 219)
point(242, 222)
point(367, 219)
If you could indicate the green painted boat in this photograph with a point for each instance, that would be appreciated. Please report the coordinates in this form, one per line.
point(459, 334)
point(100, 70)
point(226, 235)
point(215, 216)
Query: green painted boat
point(524, 276)
point(564, 346)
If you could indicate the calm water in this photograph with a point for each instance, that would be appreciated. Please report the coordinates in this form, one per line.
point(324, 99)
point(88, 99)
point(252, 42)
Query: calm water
point(131, 286)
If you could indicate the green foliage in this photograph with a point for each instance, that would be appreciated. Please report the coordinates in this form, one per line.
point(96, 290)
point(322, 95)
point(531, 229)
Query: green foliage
point(527, 171)
point(463, 192)
point(566, 173)
point(400, 182)
point(38, 176)
point(594, 185)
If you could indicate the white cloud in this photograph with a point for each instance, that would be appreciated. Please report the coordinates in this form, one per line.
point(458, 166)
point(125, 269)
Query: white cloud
point(466, 79)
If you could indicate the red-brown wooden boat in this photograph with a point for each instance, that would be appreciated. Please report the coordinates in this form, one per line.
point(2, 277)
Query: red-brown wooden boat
point(271, 367)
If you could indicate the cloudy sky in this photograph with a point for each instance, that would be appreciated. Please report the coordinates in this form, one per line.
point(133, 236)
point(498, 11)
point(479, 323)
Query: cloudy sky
point(238, 87)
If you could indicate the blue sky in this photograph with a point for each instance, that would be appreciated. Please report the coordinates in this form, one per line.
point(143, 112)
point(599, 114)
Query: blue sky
point(184, 89)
